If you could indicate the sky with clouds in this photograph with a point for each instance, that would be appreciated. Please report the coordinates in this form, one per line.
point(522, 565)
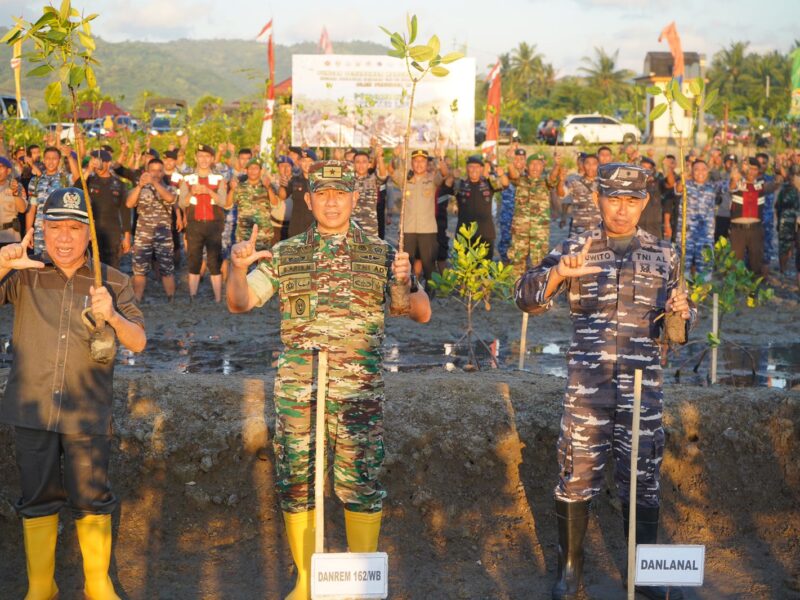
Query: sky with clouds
point(563, 30)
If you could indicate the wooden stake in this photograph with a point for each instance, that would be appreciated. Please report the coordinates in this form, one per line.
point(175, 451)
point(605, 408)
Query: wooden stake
point(637, 409)
point(320, 451)
point(523, 341)
point(715, 331)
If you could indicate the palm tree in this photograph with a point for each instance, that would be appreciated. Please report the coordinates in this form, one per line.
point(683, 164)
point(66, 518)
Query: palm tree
point(729, 65)
point(526, 67)
point(602, 74)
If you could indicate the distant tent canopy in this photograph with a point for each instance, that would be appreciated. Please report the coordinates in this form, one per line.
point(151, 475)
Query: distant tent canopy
point(91, 110)
point(164, 104)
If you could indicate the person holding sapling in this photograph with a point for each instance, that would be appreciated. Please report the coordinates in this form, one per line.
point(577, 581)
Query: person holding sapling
point(622, 284)
point(332, 282)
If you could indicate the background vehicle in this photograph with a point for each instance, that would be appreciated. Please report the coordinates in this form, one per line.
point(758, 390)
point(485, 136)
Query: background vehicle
point(160, 125)
point(8, 107)
point(597, 129)
point(547, 131)
point(67, 131)
point(507, 132)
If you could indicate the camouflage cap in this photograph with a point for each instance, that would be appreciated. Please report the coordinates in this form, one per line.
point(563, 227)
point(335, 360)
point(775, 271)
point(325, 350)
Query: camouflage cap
point(336, 174)
point(536, 156)
point(622, 179)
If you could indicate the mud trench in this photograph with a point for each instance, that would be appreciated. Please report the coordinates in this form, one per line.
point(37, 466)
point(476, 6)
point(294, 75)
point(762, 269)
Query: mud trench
point(470, 469)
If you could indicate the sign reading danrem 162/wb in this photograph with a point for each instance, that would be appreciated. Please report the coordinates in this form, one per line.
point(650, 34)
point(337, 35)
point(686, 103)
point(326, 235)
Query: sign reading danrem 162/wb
point(347, 575)
point(676, 565)
point(346, 100)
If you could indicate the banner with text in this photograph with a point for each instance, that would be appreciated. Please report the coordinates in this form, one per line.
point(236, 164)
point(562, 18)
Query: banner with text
point(346, 100)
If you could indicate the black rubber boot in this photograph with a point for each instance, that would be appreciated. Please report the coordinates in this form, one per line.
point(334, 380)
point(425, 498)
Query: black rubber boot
point(572, 520)
point(647, 533)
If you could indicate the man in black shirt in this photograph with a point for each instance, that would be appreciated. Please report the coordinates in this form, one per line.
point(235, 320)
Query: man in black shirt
point(652, 219)
point(112, 217)
point(301, 218)
point(474, 197)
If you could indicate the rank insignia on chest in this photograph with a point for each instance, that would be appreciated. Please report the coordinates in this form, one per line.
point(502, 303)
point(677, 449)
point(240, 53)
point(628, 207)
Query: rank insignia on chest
point(300, 305)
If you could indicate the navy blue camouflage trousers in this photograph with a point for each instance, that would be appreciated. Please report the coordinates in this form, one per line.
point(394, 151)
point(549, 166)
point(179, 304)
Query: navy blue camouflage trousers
point(597, 420)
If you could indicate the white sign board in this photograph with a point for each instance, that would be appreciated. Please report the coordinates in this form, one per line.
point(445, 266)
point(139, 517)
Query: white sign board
point(349, 575)
point(345, 100)
point(670, 564)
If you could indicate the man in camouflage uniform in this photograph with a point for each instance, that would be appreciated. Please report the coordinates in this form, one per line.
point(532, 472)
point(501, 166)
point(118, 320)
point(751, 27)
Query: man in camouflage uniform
point(39, 188)
point(581, 189)
point(153, 197)
point(787, 207)
point(507, 206)
point(701, 198)
point(331, 282)
point(371, 187)
point(253, 201)
point(620, 281)
point(530, 227)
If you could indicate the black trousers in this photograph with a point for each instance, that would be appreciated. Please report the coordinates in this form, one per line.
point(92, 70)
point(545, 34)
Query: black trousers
point(748, 239)
point(109, 244)
point(424, 247)
point(722, 227)
point(208, 235)
point(82, 484)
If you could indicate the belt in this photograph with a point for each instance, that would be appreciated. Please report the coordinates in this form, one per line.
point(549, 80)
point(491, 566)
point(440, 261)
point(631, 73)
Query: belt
point(746, 225)
point(7, 226)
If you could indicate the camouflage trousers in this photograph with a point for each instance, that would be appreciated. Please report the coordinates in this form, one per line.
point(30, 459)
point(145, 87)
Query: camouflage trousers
point(529, 239)
point(787, 236)
point(699, 235)
point(598, 411)
point(354, 429)
point(153, 240)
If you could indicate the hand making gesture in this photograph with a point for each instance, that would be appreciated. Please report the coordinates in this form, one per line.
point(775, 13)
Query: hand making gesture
point(244, 253)
point(15, 256)
point(573, 265)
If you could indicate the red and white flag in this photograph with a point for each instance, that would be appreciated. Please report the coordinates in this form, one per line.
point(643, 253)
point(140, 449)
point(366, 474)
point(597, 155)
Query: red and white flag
point(269, 105)
point(266, 33)
point(670, 33)
point(325, 45)
point(493, 98)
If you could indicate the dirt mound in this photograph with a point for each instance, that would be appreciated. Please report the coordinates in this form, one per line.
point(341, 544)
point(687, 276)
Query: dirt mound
point(470, 471)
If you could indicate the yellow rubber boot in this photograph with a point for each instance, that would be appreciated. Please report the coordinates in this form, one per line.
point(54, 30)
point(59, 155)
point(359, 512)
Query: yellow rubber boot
point(362, 530)
point(94, 537)
point(300, 534)
point(40, 555)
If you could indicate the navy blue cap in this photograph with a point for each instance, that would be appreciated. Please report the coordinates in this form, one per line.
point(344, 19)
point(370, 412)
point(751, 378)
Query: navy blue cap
point(173, 154)
point(520, 152)
point(622, 179)
point(66, 204)
point(102, 155)
point(206, 148)
point(284, 160)
point(475, 159)
point(308, 153)
point(5, 162)
point(154, 153)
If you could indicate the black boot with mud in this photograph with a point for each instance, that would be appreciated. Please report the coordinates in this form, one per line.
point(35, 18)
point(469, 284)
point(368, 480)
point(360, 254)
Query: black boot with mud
point(573, 517)
point(647, 533)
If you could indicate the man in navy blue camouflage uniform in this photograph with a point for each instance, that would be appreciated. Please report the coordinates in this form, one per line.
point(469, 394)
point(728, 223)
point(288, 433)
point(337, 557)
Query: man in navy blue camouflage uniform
point(620, 281)
point(701, 198)
point(508, 196)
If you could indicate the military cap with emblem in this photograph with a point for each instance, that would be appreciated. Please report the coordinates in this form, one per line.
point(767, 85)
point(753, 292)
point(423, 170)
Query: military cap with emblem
point(206, 148)
point(173, 154)
point(336, 174)
point(536, 156)
point(731, 157)
point(253, 161)
point(622, 179)
point(66, 204)
point(520, 152)
point(475, 159)
point(283, 159)
point(423, 153)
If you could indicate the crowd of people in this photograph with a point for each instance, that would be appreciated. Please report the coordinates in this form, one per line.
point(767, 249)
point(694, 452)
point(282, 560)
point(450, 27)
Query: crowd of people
point(194, 201)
